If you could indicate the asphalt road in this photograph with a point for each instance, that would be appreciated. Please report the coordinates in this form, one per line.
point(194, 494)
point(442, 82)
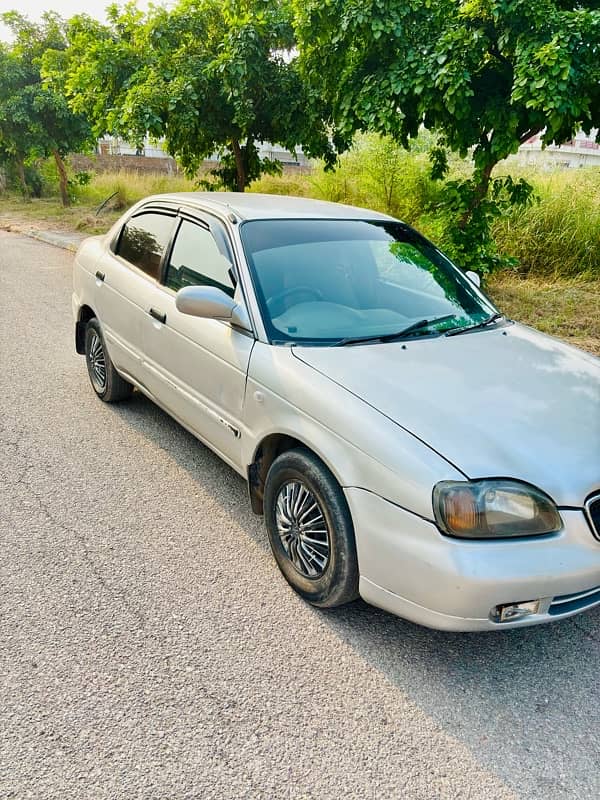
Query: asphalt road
point(150, 648)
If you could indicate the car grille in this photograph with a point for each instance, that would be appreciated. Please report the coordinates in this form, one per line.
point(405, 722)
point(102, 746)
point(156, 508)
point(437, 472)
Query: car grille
point(574, 602)
point(592, 508)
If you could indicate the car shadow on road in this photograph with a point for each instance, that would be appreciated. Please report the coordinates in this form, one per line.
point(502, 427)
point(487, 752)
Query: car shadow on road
point(526, 702)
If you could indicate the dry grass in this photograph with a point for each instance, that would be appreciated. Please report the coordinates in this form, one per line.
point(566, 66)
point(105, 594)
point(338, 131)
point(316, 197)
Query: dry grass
point(565, 307)
point(119, 190)
point(48, 213)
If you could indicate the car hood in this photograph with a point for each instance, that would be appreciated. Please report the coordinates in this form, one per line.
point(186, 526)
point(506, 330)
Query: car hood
point(503, 402)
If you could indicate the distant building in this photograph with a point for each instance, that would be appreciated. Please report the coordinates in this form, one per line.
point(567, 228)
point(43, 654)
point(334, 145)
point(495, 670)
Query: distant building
point(582, 151)
point(113, 146)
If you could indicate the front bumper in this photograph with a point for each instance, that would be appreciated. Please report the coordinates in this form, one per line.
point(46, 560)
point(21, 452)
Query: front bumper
point(409, 568)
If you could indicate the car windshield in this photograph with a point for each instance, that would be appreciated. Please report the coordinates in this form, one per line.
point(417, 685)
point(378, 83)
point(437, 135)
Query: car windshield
point(331, 281)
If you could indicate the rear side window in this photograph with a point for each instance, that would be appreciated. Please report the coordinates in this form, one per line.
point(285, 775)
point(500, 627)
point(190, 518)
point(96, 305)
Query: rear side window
point(196, 260)
point(144, 239)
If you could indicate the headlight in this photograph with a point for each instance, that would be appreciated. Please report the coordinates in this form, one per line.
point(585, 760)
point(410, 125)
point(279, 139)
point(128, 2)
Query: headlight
point(493, 508)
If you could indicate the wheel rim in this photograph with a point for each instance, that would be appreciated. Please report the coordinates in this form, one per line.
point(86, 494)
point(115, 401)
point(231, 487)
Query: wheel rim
point(302, 529)
point(97, 362)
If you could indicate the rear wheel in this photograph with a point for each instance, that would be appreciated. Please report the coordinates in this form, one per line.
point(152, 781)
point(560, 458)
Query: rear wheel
point(105, 380)
point(310, 529)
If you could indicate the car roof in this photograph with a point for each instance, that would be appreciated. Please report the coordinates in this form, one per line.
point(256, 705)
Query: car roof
point(247, 206)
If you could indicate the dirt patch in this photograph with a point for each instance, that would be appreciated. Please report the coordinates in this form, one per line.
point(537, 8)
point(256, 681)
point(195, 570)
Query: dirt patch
point(566, 308)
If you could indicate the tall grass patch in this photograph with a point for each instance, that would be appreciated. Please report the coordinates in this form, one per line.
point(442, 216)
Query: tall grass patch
point(126, 188)
point(376, 173)
point(557, 236)
point(560, 234)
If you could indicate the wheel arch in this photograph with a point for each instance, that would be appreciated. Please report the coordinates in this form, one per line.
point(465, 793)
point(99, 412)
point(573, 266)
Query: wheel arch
point(86, 313)
point(271, 446)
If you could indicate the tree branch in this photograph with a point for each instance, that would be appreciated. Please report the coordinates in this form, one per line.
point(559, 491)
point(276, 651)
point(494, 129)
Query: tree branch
point(528, 134)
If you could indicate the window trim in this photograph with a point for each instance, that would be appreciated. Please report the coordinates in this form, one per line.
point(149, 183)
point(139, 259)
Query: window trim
point(217, 230)
point(185, 215)
point(150, 209)
point(214, 219)
point(161, 208)
point(162, 280)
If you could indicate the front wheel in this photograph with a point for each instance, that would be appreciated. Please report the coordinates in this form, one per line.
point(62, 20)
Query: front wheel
point(105, 380)
point(310, 529)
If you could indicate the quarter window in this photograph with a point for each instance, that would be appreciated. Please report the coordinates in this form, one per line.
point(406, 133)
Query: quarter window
point(144, 239)
point(197, 261)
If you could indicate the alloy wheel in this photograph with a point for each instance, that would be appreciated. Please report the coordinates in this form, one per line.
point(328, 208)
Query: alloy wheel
point(97, 362)
point(302, 529)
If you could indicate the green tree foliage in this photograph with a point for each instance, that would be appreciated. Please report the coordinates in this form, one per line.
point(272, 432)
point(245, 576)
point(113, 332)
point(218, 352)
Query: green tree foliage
point(35, 119)
point(208, 76)
point(486, 75)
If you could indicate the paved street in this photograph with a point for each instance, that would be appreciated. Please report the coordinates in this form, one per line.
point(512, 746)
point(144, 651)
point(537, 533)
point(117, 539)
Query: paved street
point(150, 648)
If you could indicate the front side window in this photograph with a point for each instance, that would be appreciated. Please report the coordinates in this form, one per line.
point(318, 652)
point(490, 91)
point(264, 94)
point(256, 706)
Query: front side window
point(144, 239)
point(322, 281)
point(197, 261)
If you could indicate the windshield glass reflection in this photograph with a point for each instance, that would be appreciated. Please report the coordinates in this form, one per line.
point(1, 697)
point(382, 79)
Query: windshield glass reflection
point(328, 280)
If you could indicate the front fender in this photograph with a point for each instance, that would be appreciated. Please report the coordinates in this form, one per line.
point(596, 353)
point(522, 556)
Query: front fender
point(360, 446)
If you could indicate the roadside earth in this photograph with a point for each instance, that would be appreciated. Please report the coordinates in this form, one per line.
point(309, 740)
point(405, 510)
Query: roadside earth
point(68, 240)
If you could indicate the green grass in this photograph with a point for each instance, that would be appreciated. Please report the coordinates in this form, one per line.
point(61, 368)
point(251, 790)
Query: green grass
point(556, 287)
point(557, 236)
point(560, 234)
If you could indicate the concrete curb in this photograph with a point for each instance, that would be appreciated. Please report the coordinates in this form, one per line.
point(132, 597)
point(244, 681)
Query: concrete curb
point(67, 241)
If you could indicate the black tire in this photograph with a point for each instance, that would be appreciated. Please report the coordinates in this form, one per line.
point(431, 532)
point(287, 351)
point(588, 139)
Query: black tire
point(334, 582)
point(105, 380)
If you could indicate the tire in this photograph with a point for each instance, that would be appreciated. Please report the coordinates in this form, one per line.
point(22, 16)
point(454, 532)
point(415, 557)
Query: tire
point(105, 380)
point(303, 501)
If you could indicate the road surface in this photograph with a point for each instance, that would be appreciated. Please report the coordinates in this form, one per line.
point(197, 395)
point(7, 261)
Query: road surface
point(151, 649)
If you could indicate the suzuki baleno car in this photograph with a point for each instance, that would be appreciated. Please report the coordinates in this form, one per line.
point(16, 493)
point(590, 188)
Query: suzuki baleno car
point(404, 440)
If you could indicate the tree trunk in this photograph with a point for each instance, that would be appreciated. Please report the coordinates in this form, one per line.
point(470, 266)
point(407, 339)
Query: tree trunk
point(479, 194)
point(22, 179)
point(239, 166)
point(62, 179)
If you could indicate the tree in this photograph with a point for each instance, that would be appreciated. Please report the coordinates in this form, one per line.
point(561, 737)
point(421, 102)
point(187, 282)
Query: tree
point(208, 76)
point(35, 119)
point(14, 115)
point(486, 75)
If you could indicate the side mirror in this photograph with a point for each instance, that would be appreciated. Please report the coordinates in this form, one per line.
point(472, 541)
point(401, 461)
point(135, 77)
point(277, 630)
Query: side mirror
point(474, 278)
point(212, 303)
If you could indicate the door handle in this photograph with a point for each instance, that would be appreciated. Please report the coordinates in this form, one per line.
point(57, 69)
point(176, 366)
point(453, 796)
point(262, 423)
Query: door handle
point(100, 275)
point(158, 315)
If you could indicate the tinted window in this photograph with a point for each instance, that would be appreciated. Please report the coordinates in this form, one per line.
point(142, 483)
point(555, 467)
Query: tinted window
point(197, 261)
point(144, 240)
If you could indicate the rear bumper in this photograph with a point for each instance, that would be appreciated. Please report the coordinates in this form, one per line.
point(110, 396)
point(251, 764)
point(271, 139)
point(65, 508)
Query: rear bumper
point(409, 568)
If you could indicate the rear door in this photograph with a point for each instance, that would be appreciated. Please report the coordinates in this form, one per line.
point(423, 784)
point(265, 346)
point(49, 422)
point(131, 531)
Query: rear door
point(127, 281)
point(197, 367)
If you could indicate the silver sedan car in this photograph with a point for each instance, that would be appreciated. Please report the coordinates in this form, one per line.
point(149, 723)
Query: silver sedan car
point(404, 440)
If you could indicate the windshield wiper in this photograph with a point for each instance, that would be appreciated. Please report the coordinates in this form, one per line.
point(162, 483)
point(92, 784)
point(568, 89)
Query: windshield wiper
point(390, 337)
point(494, 318)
